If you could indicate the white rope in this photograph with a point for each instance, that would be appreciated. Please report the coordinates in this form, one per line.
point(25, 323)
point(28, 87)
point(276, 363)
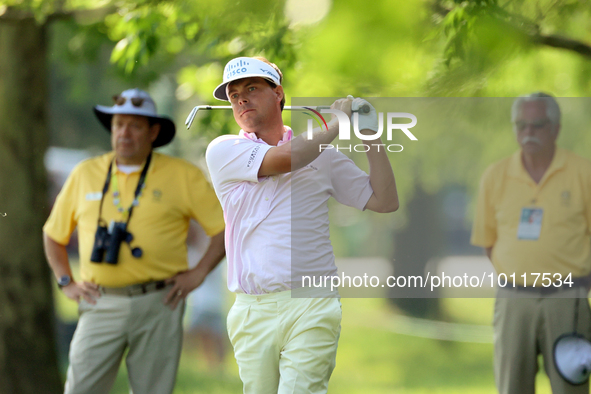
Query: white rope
point(433, 329)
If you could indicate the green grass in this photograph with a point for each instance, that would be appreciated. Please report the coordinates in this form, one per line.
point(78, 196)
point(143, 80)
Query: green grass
point(372, 359)
point(191, 380)
point(469, 310)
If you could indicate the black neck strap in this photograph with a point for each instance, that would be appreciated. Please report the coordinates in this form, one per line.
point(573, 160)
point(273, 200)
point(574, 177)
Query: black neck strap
point(138, 189)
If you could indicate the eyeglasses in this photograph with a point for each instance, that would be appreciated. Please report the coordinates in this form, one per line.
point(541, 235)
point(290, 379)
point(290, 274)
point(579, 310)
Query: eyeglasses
point(135, 101)
point(537, 125)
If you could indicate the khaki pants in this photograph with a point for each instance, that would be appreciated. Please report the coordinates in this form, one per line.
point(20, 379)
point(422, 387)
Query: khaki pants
point(143, 324)
point(527, 327)
point(283, 344)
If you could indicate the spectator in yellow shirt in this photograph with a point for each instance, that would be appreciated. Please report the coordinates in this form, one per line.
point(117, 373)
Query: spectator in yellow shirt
point(132, 208)
point(533, 218)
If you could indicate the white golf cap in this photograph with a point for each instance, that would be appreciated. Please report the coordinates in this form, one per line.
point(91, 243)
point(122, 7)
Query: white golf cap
point(572, 357)
point(245, 67)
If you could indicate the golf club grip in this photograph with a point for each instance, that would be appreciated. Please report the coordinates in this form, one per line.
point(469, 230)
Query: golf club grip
point(364, 109)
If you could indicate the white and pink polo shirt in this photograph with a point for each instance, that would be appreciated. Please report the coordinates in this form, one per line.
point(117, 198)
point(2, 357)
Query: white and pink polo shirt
point(277, 227)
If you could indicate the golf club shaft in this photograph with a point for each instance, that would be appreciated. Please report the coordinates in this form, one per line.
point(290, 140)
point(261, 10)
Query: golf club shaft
point(364, 109)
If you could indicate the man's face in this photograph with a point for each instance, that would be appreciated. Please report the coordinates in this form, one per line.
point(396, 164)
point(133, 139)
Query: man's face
point(535, 132)
point(132, 137)
point(253, 102)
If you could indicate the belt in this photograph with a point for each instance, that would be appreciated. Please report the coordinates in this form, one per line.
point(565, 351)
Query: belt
point(134, 290)
point(577, 283)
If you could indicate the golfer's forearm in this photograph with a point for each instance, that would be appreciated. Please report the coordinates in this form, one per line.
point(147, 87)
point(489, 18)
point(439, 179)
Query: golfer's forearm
point(305, 150)
point(298, 152)
point(383, 183)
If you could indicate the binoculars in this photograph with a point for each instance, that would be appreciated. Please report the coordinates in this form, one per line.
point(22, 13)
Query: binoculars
point(109, 242)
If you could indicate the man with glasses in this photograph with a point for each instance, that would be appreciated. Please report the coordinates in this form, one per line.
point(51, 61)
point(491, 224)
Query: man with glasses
point(533, 218)
point(132, 208)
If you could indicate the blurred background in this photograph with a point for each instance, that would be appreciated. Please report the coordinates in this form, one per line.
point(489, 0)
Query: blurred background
point(59, 58)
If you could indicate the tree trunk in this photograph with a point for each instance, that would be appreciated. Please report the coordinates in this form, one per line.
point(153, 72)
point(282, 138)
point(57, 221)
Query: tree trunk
point(416, 245)
point(28, 359)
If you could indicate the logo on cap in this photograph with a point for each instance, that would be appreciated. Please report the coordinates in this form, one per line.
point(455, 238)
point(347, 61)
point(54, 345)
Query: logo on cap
point(239, 67)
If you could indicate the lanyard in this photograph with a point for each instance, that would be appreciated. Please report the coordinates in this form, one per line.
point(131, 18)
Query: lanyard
point(117, 196)
point(140, 185)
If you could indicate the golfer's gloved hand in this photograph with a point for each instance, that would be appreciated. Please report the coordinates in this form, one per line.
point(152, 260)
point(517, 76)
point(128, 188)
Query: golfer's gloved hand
point(366, 120)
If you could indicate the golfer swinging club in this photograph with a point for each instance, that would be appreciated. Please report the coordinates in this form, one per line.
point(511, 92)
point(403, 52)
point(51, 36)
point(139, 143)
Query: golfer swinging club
point(284, 344)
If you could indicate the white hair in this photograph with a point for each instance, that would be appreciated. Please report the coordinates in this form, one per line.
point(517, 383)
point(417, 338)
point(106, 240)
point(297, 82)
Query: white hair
point(552, 108)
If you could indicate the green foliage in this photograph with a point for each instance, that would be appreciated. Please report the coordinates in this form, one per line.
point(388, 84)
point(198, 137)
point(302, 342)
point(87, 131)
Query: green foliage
point(480, 38)
point(145, 30)
point(213, 30)
point(148, 40)
point(460, 24)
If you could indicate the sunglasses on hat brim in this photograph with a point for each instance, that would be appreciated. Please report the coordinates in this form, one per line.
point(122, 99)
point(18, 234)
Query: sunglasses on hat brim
point(135, 101)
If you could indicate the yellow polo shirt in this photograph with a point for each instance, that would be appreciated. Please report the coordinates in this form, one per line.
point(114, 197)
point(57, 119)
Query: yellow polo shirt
point(564, 195)
point(175, 191)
